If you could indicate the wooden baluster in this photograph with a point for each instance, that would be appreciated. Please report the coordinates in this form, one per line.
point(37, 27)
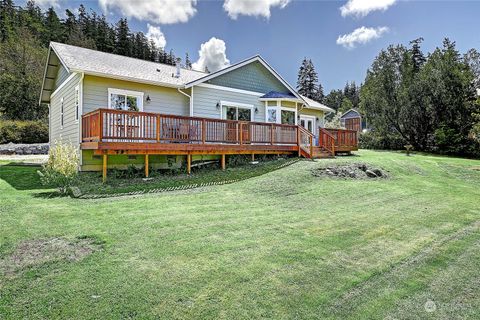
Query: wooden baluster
point(100, 129)
point(157, 133)
point(204, 131)
point(311, 146)
point(271, 134)
point(241, 133)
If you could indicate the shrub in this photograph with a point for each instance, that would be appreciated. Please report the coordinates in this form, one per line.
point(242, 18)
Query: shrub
point(23, 132)
point(374, 140)
point(61, 168)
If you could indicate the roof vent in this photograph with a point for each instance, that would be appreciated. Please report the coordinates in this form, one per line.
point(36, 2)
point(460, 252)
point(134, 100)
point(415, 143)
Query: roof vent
point(177, 65)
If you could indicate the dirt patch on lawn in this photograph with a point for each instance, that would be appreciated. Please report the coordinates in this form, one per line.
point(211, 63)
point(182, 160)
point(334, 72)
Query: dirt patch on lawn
point(350, 171)
point(32, 253)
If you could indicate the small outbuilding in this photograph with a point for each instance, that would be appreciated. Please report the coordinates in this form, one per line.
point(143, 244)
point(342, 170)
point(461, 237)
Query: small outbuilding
point(351, 120)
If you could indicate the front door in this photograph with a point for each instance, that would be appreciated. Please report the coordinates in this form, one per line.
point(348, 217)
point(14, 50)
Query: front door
point(308, 122)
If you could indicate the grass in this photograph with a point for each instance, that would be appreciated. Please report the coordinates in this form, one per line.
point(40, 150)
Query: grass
point(91, 182)
point(282, 245)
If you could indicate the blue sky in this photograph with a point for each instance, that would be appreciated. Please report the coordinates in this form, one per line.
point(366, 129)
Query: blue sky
point(297, 29)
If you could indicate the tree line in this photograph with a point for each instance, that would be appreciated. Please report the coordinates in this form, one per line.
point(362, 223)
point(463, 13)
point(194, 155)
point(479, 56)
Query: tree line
point(339, 100)
point(428, 101)
point(25, 33)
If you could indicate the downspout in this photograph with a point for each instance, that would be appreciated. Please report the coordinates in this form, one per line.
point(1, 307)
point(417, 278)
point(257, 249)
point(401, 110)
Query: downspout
point(190, 98)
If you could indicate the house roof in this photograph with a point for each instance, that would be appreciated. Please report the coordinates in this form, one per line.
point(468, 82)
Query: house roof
point(278, 95)
point(316, 105)
point(92, 62)
point(352, 113)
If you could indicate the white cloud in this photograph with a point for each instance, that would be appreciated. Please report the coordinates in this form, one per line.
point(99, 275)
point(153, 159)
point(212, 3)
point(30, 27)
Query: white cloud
point(234, 8)
point(361, 8)
point(156, 11)
point(156, 35)
point(360, 35)
point(212, 55)
point(48, 3)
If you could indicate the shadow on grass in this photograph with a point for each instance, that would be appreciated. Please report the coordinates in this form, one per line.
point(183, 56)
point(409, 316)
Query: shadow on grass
point(49, 195)
point(21, 177)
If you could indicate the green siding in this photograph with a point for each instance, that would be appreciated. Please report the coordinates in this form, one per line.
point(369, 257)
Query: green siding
point(69, 133)
point(62, 75)
point(251, 77)
point(163, 100)
point(206, 99)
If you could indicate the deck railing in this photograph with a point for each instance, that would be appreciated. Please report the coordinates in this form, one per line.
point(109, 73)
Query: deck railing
point(344, 138)
point(110, 125)
point(326, 140)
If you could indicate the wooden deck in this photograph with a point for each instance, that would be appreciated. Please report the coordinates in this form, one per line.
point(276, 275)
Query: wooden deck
point(111, 132)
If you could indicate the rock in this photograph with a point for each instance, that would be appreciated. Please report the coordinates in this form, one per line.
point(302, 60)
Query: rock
point(24, 149)
point(75, 192)
point(378, 172)
point(370, 174)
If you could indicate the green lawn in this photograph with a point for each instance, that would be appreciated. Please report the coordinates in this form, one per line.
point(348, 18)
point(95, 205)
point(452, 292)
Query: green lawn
point(284, 245)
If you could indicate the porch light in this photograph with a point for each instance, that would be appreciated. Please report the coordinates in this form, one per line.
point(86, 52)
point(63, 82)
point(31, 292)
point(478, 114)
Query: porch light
point(218, 105)
point(316, 118)
point(148, 98)
point(256, 110)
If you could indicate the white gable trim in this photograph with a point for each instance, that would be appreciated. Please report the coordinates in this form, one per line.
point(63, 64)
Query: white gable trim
point(349, 111)
point(216, 87)
point(239, 65)
point(70, 77)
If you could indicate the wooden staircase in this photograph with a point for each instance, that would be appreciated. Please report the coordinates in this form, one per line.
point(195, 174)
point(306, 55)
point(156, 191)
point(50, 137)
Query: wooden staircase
point(321, 153)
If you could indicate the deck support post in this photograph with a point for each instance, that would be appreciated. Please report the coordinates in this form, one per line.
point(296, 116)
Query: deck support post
point(223, 162)
point(104, 169)
point(146, 165)
point(189, 163)
point(253, 157)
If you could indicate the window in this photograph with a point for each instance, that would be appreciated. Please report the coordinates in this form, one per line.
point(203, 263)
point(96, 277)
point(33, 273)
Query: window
point(125, 100)
point(288, 117)
point(280, 115)
point(61, 113)
point(236, 111)
point(272, 115)
point(77, 103)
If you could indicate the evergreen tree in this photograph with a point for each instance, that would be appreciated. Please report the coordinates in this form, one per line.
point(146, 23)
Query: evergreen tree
point(7, 19)
point(21, 63)
point(307, 80)
point(54, 30)
point(122, 43)
point(188, 63)
point(320, 95)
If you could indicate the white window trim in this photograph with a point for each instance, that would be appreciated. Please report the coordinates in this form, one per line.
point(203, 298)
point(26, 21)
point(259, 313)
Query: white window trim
point(236, 104)
point(127, 93)
point(77, 103)
point(62, 113)
point(309, 117)
point(279, 109)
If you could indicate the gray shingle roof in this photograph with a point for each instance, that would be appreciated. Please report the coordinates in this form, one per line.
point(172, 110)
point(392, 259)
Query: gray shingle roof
point(116, 66)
